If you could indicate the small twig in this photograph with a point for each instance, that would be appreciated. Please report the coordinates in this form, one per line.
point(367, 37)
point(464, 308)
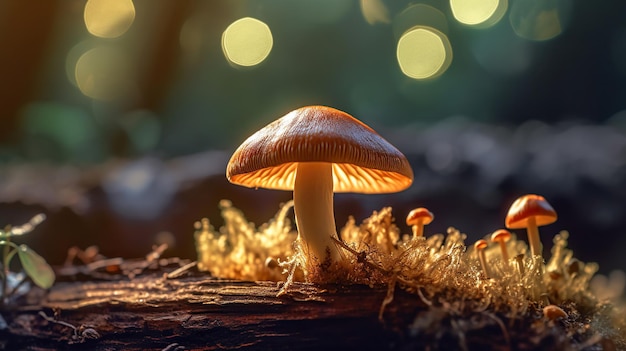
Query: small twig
point(423, 298)
point(54, 320)
point(18, 286)
point(80, 334)
point(151, 258)
point(104, 263)
point(156, 253)
point(180, 271)
point(174, 347)
point(391, 287)
point(360, 256)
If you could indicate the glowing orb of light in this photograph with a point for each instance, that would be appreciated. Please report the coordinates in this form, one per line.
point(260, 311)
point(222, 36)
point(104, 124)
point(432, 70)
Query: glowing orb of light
point(423, 52)
point(109, 18)
point(482, 13)
point(247, 42)
point(102, 73)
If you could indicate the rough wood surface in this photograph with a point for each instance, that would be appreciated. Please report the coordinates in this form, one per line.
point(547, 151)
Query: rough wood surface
point(197, 312)
point(157, 310)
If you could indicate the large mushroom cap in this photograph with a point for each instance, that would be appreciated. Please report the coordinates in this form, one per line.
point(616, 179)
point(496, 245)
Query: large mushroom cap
point(530, 206)
point(362, 161)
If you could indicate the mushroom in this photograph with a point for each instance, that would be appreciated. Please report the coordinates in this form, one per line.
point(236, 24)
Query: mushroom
point(501, 236)
point(554, 312)
point(315, 151)
point(531, 211)
point(480, 247)
point(417, 219)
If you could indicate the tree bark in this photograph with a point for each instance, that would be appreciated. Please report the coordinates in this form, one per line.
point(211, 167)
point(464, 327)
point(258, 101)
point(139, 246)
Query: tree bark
point(199, 312)
point(147, 305)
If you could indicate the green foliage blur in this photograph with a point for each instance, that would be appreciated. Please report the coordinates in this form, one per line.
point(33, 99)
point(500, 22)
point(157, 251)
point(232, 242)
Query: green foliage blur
point(176, 94)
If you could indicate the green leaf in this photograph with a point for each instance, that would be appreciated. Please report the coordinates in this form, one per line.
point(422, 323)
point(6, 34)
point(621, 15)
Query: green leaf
point(36, 267)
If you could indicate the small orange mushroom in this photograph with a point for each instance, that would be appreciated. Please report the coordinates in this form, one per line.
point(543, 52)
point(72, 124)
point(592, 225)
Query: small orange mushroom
point(531, 211)
point(417, 219)
point(554, 312)
point(501, 236)
point(480, 247)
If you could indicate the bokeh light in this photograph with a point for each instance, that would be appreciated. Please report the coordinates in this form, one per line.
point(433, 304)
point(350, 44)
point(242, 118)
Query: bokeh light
point(109, 18)
point(424, 52)
point(423, 49)
point(538, 19)
point(374, 11)
point(102, 73)
point(72, 57)
point(481, 13)
point(247, 42)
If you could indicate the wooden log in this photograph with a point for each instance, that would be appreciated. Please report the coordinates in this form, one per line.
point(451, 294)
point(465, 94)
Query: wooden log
point(198, 312)
point(154, 311)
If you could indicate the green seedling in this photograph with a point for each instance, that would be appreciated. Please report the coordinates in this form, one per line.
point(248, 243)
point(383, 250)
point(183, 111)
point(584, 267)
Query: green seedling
point(33, 265)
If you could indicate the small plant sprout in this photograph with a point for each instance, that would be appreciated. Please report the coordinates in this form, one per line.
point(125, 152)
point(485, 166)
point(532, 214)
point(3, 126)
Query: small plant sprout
point(35, 267)
point(480, 247)
point(417, 219)
point(501, 236)
point(554, 312)
point(530, 212)
point(316, 151)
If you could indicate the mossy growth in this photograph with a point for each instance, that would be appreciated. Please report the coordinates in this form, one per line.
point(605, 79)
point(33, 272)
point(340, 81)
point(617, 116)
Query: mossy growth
point(439, 269)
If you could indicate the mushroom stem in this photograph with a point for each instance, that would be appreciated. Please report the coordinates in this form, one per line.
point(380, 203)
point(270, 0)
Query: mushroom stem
point(505, 253)
point(480, 247)
point(533, 237)
point(313, 206)
point(418, 229)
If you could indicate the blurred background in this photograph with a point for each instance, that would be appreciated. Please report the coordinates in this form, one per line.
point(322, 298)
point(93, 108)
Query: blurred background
point(118, 117)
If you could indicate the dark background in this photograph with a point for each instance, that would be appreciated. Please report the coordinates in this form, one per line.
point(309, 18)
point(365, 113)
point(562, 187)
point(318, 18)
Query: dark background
point(511, 115)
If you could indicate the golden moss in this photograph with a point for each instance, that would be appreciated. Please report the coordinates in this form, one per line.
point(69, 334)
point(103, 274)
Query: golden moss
point(241, 251)
point(439, 268)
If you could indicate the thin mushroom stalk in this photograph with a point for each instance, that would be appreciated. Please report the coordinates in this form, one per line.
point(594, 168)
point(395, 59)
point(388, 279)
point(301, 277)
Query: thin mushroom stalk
point(418, 229)
point(313, 206)
point(480, 247)
point(501, 237)
point(504, 252)
point(533, 237)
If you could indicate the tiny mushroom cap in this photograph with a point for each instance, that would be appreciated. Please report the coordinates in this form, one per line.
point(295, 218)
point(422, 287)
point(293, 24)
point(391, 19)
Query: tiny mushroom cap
point(531, 211)
point(315, 151)
point(553, 312)
point(481, 244)
point(501, 236)
point(417, 219)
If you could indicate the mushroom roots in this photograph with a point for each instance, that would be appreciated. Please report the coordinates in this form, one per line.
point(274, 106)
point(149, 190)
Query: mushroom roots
point(313, 206)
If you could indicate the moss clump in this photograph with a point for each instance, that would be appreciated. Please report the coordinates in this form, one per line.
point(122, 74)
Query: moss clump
point(440, 269)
